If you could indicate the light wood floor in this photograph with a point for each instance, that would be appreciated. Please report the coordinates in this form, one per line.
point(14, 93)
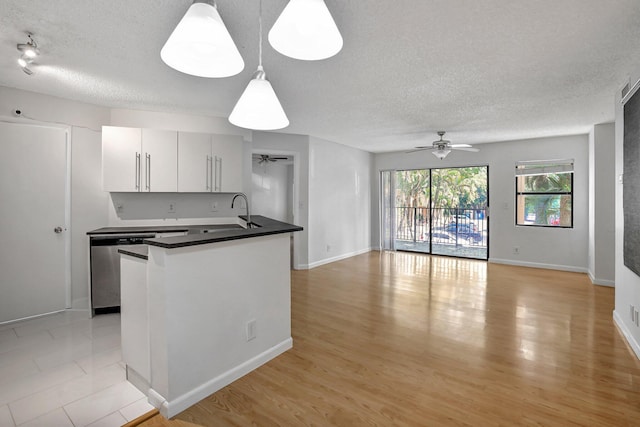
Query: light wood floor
point(387, 339)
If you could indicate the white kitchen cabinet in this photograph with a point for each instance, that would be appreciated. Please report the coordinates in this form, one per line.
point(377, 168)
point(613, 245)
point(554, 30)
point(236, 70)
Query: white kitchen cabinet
point(139, 160)
point(228, 150)
point(160, 161)
point(209, 163)
point(194, 162)
point(134, 321)
point(121, 158)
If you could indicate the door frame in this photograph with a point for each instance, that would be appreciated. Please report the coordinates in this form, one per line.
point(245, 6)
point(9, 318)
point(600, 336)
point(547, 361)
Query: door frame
point(296, 194)
point(430, 207)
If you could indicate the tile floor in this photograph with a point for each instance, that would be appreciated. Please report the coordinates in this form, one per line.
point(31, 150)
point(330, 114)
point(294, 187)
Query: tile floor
point(65, 370)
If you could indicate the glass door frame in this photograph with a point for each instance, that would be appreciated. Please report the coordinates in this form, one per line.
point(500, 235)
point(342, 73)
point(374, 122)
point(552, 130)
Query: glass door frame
point(391, 244)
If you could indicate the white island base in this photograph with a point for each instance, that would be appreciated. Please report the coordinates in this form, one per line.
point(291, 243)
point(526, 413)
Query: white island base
point(214, 312)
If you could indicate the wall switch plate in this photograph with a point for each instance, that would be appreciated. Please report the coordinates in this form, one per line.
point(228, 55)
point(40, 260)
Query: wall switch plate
point(172, 207)
point(251, 329)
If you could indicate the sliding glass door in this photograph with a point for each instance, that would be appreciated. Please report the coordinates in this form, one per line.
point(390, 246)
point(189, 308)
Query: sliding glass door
point(439, 211)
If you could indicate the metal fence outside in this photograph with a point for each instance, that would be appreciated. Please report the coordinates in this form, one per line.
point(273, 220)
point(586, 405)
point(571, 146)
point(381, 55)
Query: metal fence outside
point(444, 229)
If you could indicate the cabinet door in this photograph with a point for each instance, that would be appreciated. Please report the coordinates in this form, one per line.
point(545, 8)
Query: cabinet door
point(159, 160)
point(194, 162)
point(121, 159)
point(227, 154)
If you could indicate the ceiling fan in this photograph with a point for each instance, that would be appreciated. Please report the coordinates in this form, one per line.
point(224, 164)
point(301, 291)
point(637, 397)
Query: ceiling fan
point(442, 147)
point(267, 158)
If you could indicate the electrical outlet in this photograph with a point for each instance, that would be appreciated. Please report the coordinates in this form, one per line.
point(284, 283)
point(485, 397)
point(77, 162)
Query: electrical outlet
point(632, 311)
point(119, 207)
point(214, 206)
point(328, 248)
point(251, 329)
point(637, 318)
point(172, 207)
point(516, 250)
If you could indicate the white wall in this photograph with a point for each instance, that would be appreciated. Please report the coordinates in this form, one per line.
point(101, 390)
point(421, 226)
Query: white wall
point(88, 201)
point(601, 204)
point(270, 190)
point(563, 249)
point(627, 282)
point(333, 196)
point(339, 201)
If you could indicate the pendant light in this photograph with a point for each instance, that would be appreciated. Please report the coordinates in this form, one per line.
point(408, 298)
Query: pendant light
point(259, 108)
point(306, 30)
point(201, 45)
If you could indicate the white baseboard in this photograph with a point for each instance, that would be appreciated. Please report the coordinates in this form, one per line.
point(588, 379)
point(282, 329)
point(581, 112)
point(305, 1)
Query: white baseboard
point(601, 282)
point(334, 259)
point(171, 408)
point(626, 334)
point(539, 265)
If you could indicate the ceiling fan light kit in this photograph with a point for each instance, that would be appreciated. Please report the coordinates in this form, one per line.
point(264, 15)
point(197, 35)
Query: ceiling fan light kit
point(306, 30)
point(441, 148)
point(201, 45)
point(441, 153)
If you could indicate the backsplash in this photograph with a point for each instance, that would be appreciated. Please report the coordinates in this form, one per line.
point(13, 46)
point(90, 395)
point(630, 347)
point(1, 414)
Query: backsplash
point(172, 208)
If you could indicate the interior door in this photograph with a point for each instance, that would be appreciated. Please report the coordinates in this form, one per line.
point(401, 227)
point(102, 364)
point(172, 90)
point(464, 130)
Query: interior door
point(34, 267)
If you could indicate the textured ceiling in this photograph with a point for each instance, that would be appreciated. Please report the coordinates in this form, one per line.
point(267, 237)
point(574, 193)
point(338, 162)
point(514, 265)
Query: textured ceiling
point(485, 71)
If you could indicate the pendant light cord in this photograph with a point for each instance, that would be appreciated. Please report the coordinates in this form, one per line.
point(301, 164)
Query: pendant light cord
point(260, 37)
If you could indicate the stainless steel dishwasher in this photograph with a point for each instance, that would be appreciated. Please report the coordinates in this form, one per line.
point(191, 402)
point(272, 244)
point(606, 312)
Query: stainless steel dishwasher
point(105, 269)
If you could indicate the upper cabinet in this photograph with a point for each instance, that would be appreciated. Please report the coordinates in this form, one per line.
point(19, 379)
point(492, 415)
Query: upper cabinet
point(139, 160)
point(209, 163)
point(149, 160)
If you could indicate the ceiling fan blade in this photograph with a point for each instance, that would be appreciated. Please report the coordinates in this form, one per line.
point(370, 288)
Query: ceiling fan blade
point(419, 149)
point(475, 150)
point(461, 146)
point(278, 158)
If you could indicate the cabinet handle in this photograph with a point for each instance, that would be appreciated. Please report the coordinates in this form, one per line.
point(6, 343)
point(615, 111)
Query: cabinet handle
point(137, 171)
point(207, 176)
point(218, 173)
point(214, 178)
point(148, 175)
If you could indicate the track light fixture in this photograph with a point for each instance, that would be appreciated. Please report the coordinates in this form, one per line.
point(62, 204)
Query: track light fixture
point(30, 52)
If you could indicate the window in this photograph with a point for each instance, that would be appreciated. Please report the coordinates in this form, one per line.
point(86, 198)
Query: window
point(544, 193)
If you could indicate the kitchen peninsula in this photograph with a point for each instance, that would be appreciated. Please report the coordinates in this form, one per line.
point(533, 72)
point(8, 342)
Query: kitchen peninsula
point(201, 310)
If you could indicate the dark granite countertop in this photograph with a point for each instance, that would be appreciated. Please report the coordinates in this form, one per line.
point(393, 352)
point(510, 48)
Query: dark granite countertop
point(262, 226)
point(202, 234)
point(161, 229)
point(137, 251)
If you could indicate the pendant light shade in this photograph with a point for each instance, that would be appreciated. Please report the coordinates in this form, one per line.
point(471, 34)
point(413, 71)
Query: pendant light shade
point(259, 108)
point(201, 45)
point(306, 30)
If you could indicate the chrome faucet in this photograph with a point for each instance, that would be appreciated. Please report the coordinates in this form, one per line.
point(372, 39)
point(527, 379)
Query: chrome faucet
point(246, 203)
